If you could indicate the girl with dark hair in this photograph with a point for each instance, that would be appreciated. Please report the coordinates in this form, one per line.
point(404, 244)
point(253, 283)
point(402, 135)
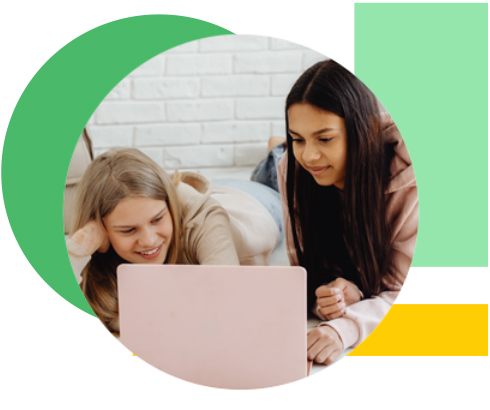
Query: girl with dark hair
point(350, 205)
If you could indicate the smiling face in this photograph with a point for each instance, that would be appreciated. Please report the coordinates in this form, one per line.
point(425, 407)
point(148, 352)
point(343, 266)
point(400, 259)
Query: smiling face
point(140, 230)
point(319, 143)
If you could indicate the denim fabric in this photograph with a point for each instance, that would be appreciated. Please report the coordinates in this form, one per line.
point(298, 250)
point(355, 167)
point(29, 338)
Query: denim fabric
point(266, 171)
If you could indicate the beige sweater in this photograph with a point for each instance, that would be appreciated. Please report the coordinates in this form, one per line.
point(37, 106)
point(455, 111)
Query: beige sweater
point(223, 226)
point(361, 318)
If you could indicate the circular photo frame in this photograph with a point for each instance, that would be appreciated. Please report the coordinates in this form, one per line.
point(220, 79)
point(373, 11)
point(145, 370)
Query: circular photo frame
point(324, 157)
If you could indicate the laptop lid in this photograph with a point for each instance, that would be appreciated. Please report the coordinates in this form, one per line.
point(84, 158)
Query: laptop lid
point(239, 327)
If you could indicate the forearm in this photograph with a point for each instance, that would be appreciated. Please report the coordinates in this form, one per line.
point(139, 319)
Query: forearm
point(361, 318)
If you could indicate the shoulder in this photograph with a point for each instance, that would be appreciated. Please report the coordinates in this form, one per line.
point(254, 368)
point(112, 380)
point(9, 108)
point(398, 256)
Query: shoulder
point(401, 194)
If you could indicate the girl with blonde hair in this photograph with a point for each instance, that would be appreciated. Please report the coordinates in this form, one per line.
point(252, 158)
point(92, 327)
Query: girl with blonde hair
point(129, 210)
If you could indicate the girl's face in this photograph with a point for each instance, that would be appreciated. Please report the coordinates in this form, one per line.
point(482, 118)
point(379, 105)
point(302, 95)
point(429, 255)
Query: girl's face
point(140, 230)
point(319, 143)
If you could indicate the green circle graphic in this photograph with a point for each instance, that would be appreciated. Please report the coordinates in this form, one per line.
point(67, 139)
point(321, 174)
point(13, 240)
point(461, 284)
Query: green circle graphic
point(49, 118)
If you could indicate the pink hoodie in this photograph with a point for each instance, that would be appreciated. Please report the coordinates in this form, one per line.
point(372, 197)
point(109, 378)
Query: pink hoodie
point(361, 318)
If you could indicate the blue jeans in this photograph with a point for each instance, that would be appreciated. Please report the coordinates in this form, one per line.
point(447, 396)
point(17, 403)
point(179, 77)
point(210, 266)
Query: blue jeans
point(266, 171)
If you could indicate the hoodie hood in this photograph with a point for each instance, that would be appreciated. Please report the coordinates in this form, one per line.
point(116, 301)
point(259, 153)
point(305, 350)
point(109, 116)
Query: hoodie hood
point(402, 174)
point(193, 190)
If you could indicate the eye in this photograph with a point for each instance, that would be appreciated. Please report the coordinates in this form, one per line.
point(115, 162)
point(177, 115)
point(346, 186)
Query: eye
point(297, 140)
point(158, 219)
point(325, 139)
point(128, 231)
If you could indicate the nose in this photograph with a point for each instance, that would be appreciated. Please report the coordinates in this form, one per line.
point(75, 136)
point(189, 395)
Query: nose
point(310, 153)
point(147, 238)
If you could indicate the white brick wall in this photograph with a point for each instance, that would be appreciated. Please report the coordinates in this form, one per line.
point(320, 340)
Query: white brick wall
point(207, 105)
point(153, 67)
point(199, 156)
point(167, 135)
point(234, 43)
point(235, 86)
point(199, 64)
point(265, 107)
point(249, 154)
point(122, 91)
point(200, 110)
point(165, 88)
point(282, 83)
point(235, 131)
point(268, 62)
point(129, 112)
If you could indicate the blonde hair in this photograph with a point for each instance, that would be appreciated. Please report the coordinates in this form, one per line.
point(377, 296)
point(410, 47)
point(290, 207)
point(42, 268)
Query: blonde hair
point(113, 176)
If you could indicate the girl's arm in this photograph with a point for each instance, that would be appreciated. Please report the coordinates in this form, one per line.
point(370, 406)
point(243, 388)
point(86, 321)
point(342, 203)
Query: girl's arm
point(82, 245)
point(79, 258)
point(361, 318)
point(334, 297)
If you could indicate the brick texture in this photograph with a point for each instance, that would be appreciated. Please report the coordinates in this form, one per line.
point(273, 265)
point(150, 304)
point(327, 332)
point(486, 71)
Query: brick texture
point(153, 67)
point(267, 62)
point(199, 64)
point(122, 91)
point(252, 108)
point(205, 105)
point(234, 43)
point(199, 156)
point(235, 86)
point(203, 110)
point(105, 137)
point(235, 131)
point(129, 112)
point(167, 134)
point(250, 154)
point(165, 88)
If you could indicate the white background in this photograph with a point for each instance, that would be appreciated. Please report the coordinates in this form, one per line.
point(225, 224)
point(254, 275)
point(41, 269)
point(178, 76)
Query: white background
point(55, 356)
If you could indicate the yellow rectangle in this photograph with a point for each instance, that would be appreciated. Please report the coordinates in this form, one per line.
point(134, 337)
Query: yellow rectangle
point(429, 330)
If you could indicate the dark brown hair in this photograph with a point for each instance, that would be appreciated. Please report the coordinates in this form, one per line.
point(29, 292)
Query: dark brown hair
point(342, 233)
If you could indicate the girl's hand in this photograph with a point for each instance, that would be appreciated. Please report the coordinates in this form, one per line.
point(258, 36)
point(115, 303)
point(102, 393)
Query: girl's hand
point(92, 237)
point(333, 298)
point(324, 345)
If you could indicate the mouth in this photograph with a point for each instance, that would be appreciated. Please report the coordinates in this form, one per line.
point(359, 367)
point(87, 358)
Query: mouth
point(150, 253)
point(317, 171)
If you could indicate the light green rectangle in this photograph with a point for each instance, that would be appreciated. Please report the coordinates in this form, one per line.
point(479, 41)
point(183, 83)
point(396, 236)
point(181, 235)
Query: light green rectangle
point(427, 63)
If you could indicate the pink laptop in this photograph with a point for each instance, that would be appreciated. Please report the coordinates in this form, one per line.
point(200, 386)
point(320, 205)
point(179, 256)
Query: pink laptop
point(237, 327)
